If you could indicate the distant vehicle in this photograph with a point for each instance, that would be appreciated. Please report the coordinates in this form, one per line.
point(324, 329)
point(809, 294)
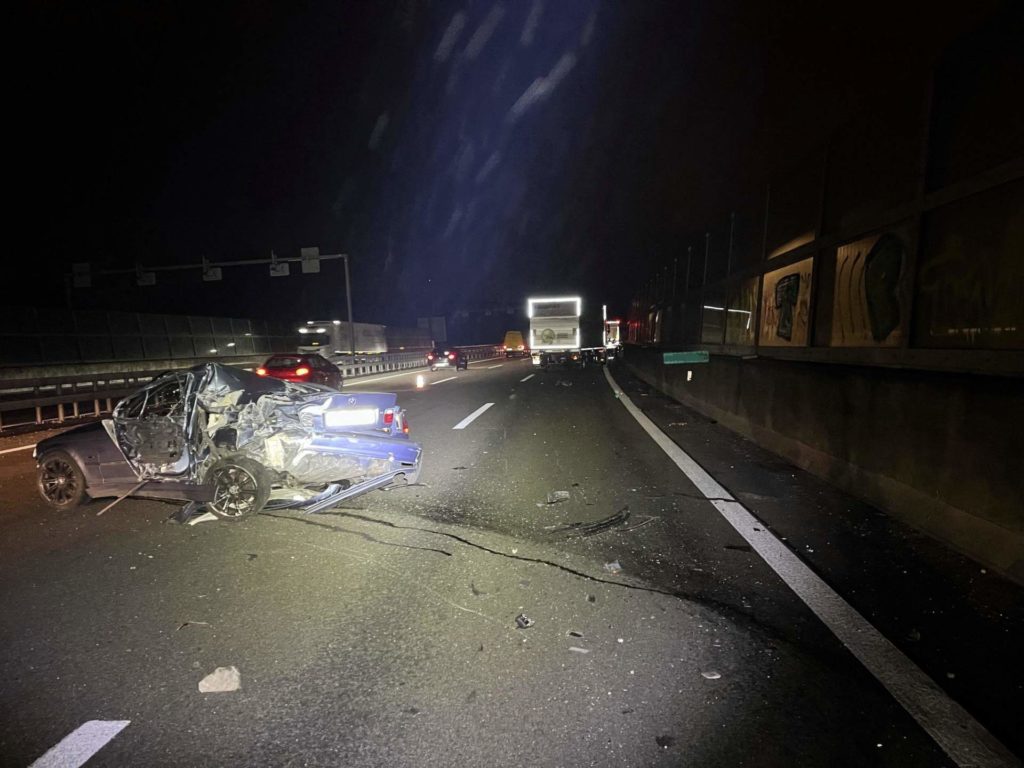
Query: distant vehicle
point(447, 358)
point(234, 443)
point(555, 330)
point(514, 345)
point(306, 369)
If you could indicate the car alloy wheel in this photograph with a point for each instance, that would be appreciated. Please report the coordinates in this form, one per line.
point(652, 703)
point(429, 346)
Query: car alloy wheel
point(240, 488)
point(61, 482)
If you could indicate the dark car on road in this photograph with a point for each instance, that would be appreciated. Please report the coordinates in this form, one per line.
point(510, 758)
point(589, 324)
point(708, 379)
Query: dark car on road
point(234, 443)
point(447, 358)
point(305, 369)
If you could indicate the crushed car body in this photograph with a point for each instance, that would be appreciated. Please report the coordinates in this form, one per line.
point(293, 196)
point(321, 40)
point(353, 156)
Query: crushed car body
point(235, 443)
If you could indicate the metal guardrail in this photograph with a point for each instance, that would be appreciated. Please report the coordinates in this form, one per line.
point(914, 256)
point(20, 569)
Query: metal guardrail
point(55, 399)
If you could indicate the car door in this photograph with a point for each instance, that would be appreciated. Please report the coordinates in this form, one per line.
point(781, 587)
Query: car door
point(150, 428)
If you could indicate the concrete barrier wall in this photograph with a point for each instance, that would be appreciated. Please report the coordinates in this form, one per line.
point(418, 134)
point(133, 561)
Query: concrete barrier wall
point(943, 452)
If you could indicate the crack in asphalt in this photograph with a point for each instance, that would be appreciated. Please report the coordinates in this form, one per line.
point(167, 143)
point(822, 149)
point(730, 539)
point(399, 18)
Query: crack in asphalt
point(360, 534)
point(523, 558)
point(725, 610)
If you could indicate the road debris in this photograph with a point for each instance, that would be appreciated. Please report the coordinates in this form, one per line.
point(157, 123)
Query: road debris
point(206, 517)
point(576, 530)
point(574, 633)
point(557, 496)
point(563, 383)
point(577, 649)
point(740, 547)
point(221, 680)
point(524, 622)
point(677, 424)
point(664, 741)
point(476, 592)
point(192, 624)
point(710, 675)
point(613, 567)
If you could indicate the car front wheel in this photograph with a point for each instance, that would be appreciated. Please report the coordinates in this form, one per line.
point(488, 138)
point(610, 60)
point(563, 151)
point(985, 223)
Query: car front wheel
point(60, 480)
point(240, 486)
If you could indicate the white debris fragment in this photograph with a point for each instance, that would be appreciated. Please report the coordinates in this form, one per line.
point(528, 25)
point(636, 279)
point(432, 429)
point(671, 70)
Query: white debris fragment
point(203, 518)
point(577, 649)
point(221, 680)
point(710, 675)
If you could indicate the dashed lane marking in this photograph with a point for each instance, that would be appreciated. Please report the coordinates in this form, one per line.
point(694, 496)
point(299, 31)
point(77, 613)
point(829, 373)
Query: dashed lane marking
point(442, 381)
point(19, 448)
point(469, 419)
point(527, 378)
point(962, 737)
point(494, 366)
point(81, 744)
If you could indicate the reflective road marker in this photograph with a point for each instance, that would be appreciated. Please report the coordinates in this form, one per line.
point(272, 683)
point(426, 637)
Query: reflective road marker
point(962, 737)
point(81, 744)
point(469, 419)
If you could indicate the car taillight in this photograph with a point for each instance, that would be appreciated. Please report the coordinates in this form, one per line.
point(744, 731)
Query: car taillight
point(451, 355)
point(430, 356)
point(302, 371)
point(389, 418)
point(261, 371)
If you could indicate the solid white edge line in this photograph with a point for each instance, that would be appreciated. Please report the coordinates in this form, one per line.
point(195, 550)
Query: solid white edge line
point(442, 381)
point(527, 378)
point(960, 736)
point(77, 747)
point(469, 419)
point(20, 448)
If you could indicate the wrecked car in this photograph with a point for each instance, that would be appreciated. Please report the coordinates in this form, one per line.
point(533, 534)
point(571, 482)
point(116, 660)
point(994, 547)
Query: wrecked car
point(233, 443)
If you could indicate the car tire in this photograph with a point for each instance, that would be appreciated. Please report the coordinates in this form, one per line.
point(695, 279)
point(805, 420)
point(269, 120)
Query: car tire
point(60, 481)
point(241, 487)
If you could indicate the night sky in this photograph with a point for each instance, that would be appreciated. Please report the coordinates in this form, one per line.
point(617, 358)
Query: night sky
point(463, 153)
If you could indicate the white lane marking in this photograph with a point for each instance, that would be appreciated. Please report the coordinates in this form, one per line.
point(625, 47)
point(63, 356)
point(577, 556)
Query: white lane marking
point(962, 737)
point(81, 744)
point(527, 378)
point(494, 366)
point(469, 419)
point(20, 448)
point(442, 381)
point(380, 378)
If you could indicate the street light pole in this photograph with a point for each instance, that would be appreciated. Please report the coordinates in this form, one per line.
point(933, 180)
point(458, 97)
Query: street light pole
point(348, 299)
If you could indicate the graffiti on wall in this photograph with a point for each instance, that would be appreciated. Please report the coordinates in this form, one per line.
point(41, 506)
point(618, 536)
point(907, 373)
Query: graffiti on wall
point(786, 307)
point(867, 306)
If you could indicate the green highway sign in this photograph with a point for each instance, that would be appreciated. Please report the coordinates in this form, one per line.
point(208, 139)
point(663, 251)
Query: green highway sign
point(677, 358)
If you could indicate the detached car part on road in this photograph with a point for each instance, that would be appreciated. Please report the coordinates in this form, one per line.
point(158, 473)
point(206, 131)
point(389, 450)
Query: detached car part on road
point(235, 443)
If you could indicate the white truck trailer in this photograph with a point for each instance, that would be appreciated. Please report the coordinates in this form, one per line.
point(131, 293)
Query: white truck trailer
point(555, 330)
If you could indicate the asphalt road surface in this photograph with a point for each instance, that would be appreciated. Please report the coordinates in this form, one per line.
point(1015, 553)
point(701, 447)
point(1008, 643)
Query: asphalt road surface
point(696, 602)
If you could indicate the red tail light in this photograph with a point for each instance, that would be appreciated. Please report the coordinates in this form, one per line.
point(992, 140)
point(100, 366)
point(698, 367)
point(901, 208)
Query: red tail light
point(389, 418)
point(430, 356)
point(302, 371)
point(451, 355)
point(261, 371)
